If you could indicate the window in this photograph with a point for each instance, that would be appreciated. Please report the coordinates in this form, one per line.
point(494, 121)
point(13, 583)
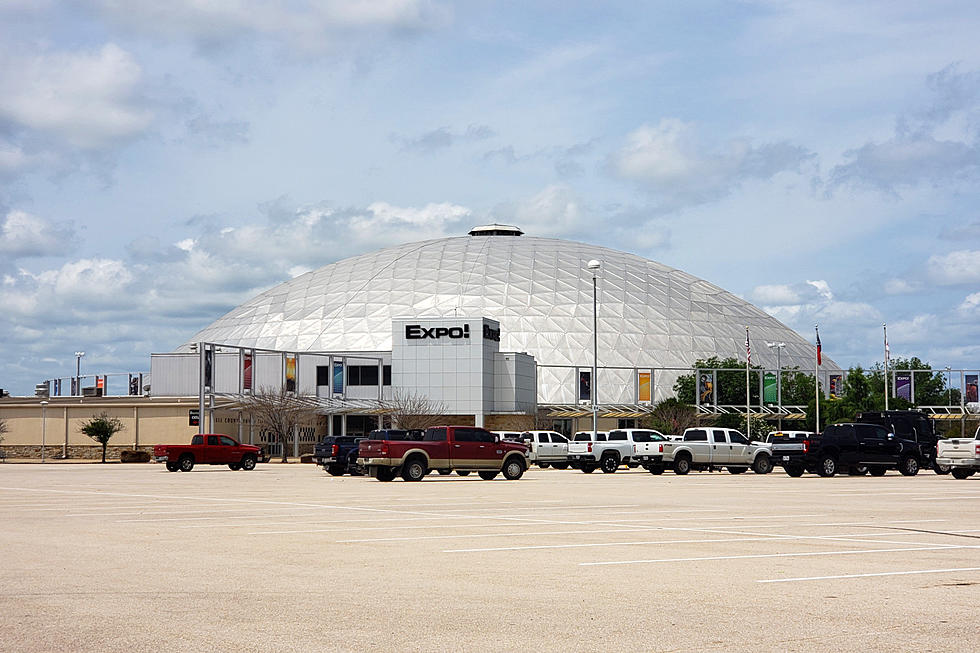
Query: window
point(213, 440)
point(197, 439)
point(627, 423)
point(696, 435)
point(617, 435)
point(543, 437)
point(583, 437)
point(226, 441)
point(323, 375)
point(737, 438)
point(435, 435)
point(867, 432)
point(600, 437)
point(558, 437)
point(718, 436)
point(481, 435)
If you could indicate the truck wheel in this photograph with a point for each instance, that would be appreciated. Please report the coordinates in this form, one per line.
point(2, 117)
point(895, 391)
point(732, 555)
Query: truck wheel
point(656, 470)
point(909, 466)
point(560, 465)
point(609, 464)
point(737, 470)
point(588, 468)
point(513, 469)
point(795, 471)
point(445, 472)
point(961, 473)
point(385, 474)
point(682, 465)
point(877, 470)
point(857, 470)
point(488, 475)
point(940, 469)
point(827, 466)
point(234, 466)
point(172, 467)
point(186, 463)
point(335, 470)
point(762, 464)
point(248, 463)
point(463, 472)
point(414, 470)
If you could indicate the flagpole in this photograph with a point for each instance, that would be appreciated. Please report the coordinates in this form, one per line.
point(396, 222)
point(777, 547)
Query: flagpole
point(885, 329)
point(748, 361)
point(816, 377)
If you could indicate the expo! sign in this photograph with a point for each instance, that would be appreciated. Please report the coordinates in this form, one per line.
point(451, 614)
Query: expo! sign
point(419, 332)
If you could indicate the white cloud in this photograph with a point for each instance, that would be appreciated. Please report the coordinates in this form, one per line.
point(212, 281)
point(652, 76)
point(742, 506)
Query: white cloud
point(901, 287)
point(955, 268)
point(88, 99)
point(22, 235)
point(823, 288)
point(970, 304)
point(669, 160)
point(775, 295)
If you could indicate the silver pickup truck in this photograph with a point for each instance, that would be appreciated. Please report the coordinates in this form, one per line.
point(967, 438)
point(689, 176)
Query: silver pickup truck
point(715, 448)
point(609, 450)
point(962, 455)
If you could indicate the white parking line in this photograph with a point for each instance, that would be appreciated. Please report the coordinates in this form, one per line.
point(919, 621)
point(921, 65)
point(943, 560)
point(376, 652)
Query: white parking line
point(776, 555)
point(883, 573)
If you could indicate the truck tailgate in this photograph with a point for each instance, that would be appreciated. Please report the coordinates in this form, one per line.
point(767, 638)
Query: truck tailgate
point(958, 449)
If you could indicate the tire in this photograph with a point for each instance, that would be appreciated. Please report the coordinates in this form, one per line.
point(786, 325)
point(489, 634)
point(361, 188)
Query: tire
point(795, 471)
point(656, 470)
point(909, 466)
point(560, 465)
point(609, 464)
point(414, 470)
point(335, 470)
point(385, 474)
point(488, 475)
point(877, 470)
point(827, 466)
point(445, 472)
point(248, 463)
point(463, 472)
point(737, 470)
point(172, 467)
point(857, 470)
point(588, 468)
point(544, 465)
point(961, 473)
point(682, 465)
point(940, 469)
point(186, 463)
point(513, 469)
point(762, 464)
point(234, 466)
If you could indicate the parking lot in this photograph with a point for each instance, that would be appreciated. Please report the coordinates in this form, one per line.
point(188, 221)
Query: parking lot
point(286, 558)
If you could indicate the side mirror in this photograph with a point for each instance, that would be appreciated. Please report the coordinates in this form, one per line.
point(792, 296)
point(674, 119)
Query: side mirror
point(891, 436)
point(496, 438)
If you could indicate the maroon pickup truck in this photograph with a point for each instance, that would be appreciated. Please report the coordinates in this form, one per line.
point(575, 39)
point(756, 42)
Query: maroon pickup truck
point(462, 448)
point(208, 449)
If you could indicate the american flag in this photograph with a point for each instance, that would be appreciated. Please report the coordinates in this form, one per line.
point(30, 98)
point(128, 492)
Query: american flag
point(748, 348)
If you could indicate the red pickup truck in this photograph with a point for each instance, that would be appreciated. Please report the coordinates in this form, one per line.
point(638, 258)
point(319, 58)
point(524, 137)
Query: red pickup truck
point(208, 449)
point(460, 448)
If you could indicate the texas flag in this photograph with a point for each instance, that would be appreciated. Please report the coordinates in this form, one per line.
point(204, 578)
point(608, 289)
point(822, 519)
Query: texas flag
point(819, 357)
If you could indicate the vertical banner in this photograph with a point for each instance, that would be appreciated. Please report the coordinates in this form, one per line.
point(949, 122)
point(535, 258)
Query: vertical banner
point(291, 373)
point(705, 387)
point(903, 385)
point(584, 385)
point(769, 389)
point(338, 378)
point(643, 388)
point(971, 388)
point(247, 371)
point(836, 385)
point(208, 355)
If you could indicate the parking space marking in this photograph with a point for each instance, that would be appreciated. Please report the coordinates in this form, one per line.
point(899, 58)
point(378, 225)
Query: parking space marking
point(777, 555)
point(882, 573)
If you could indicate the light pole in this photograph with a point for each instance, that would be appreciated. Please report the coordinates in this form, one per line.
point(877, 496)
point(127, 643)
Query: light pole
point(949, 386)
point(779, 346)
point(594, 266)
point(78, 371)
point(44, 420)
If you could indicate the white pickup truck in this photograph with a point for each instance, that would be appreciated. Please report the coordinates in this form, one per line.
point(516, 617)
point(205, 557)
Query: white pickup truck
point(546, 448)
point(610, 450)
point(713, 448)
point(962, 455)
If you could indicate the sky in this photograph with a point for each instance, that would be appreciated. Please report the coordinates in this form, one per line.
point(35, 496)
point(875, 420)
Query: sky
point(161, 163)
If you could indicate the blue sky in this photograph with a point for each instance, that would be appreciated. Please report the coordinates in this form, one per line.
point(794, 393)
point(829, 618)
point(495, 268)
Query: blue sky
point(160, 163)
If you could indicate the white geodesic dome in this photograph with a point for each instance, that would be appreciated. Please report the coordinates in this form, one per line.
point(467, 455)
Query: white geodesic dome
point(539, 289)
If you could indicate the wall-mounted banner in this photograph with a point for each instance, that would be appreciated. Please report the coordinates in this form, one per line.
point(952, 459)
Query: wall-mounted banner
point(338, 378)
point(584, 385)
point(836, 385)
point(247, 372)
point(706, 387)
point(971, 387)
point(770, 388)
point(208, 355)
point(903, 385)
point(291, 373)
point(644, 387)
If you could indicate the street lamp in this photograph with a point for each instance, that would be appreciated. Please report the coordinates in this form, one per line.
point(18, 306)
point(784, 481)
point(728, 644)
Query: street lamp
point(594, 266)
point(78, 371)
point(44, 420)
point(779, 378)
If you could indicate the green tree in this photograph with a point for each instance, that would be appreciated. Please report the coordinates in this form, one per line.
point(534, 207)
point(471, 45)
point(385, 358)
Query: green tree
point(672, 416)
point(101, 428)
point(731, 384)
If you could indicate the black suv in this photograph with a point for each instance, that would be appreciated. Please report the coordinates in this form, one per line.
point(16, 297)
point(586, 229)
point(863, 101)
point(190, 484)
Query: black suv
point(842, 446)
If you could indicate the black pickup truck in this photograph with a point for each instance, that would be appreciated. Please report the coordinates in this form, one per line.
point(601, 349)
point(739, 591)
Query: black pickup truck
point(337, 454)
